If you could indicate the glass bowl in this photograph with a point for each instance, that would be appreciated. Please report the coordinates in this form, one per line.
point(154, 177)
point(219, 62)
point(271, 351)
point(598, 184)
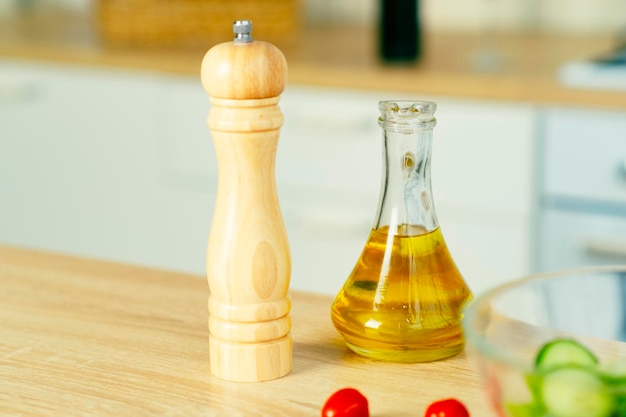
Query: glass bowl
point(553, 345)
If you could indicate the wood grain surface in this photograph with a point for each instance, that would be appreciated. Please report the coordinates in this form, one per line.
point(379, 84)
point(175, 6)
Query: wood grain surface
point(83, 337)
point(248, 258)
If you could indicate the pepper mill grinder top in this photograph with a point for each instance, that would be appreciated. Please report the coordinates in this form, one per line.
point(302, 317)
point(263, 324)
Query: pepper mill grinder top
point(244, 69)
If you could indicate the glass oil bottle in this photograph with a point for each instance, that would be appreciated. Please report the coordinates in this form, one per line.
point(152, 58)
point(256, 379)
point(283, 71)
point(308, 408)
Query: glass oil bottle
point(403, 300)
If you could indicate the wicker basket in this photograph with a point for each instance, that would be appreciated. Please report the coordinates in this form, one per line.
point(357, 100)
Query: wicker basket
point(156, 23)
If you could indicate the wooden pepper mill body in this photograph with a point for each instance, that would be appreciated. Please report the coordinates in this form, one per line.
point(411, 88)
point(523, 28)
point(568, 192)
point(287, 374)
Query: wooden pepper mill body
point(248, 259)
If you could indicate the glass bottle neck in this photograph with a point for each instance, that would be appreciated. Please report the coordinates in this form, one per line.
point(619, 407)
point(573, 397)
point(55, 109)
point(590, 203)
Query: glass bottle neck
point(405, 203)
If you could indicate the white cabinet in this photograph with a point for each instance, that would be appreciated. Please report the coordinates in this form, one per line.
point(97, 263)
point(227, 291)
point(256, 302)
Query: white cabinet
point(328, 174)
point(585, 156)
point(83, 167)
point(329, 170)
point(583, 203)
point(120, 165)
point(483, 181)
point(583, 193)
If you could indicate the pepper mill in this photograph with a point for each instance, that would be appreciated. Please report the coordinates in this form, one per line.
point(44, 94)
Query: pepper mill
point(248, 258)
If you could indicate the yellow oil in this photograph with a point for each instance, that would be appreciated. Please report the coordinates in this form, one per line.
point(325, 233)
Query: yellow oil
point(403, 300)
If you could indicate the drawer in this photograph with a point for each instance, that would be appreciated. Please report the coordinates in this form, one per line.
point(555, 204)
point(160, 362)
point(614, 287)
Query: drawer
point(330, 139)
point(574, 239)
point(489, 248)
point(483, 156)
point(325, 239)
point(585, 156)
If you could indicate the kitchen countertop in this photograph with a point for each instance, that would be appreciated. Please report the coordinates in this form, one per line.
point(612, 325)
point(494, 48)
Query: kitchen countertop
point(88, 337)
point(511, 67)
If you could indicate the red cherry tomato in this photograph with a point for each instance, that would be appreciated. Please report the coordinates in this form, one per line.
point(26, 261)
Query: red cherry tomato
point(347, 402)
point(447, 408)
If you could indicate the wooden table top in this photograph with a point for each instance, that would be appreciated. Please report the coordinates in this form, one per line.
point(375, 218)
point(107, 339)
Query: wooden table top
point(88, 337)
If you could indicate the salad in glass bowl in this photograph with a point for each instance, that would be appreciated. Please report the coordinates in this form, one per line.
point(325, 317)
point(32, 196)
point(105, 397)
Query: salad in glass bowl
point(553, 345)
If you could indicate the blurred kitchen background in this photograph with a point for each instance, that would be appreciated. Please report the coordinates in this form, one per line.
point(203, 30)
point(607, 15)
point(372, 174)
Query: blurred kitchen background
point(104, 149)
point(557, 16)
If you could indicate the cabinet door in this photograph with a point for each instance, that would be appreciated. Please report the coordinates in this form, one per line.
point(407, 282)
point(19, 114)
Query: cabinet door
point(585, 158)
point(483, 156)
point(583, 192)
point(489, 248)
point(82, 166)
point(328, 172)
point(573, 239)
point(483, 176)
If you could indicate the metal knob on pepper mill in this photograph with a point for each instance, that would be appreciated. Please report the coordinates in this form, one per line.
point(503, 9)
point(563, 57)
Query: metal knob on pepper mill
point(248, 257)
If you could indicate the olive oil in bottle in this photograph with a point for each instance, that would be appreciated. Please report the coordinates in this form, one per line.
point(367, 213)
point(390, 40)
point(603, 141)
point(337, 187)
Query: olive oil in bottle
point(402, 303)
point(403, 300)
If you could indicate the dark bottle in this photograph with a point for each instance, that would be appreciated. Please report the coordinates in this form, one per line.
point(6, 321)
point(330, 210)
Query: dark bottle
point(399, 30)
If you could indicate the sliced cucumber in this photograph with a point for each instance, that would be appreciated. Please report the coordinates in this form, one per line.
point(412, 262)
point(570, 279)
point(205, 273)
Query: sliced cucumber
point(620, 406)
point(524, 410)
point(575, 391)
point(615, 372)
point(568, 381)
point(561, 352)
